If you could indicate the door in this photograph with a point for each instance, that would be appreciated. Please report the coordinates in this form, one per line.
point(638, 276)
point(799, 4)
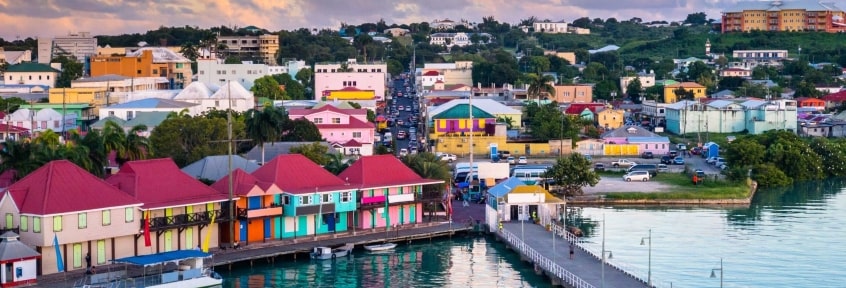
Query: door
point(533, 212)
point(189, 238)
point(302, 226)
point(168, 241)
point(101, 252)
point(515, 213)
point(412, 214)
point(242, 227)
point(330, 221)
point(267, 228)
point(401, 216)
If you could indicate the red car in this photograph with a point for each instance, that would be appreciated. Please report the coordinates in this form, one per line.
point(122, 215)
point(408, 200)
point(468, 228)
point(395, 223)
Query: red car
point(696, 150)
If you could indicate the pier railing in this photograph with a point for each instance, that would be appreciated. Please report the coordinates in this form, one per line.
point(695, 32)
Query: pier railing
point(616, 264)
point(547, 264)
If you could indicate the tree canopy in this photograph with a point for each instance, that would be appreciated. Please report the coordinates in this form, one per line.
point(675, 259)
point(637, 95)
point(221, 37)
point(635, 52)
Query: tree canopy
point(571, 173)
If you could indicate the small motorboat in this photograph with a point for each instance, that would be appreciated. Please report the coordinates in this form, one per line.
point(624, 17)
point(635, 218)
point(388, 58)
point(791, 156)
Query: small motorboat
point(325, 253)
point(380, 247)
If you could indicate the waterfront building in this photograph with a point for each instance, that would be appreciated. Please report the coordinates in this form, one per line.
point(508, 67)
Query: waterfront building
point(387, 199)
point(258, 208)
point(62, 202)
point(313, 200)
point(179, 207)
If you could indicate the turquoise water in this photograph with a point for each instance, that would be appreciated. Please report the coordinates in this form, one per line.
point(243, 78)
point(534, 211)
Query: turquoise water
point(461, 262)
point(788, 237)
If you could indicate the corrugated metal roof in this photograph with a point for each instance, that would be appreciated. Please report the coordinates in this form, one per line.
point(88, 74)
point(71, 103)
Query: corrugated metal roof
point(487, 105)
point(217, 166)
point(462, 111)
point(153, 103)
point(369, 172)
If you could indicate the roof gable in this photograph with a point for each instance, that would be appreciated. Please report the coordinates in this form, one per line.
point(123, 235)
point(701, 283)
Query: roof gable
point(296, 174)
point(217, 166)
point(462, 111)
point(369, 172)
point(159, 183)
point(243, 184)
point(61, 187)
point(578, 108)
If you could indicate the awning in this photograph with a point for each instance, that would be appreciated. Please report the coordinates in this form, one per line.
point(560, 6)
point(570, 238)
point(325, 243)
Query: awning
point(159, 258)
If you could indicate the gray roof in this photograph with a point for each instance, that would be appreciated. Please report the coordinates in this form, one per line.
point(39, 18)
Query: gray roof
point(271, 150)
point(103, 78)
point(153, 103)
point(723, 94)
point(100, 124)
point(11, 248)
point(150, 119)
point(215, 167)
point(629, 131)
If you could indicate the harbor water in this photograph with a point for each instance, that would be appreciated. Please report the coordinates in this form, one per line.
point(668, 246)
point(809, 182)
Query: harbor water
point(788, 237)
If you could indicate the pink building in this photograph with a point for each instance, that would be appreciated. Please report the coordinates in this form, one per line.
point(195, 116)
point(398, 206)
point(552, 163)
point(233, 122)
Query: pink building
point(346, 129)
point(339, 80)
point(387, 199)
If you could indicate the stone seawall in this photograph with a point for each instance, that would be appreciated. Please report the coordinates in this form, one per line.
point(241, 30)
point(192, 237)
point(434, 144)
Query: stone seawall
point(600, 200)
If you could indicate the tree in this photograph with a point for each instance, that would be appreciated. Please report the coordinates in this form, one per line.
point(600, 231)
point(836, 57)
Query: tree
point(768, 175)
point(189, 50)
point(539, 85)
point(337, 163)
point(316, 152)
point(188, 139)
point(232, 60)
point(698, 18)
point(684, 94)
point(265, 126)
point(635, 90)
point(293, 89)
point(305, 76)
point(128, 146)
point(507, 120)
point(300, 130)
point(744, 152)
point(71, 70)
point(268, 87)
point(371, 116)
point(545, 121)
point(429, 166)
point(571, 173)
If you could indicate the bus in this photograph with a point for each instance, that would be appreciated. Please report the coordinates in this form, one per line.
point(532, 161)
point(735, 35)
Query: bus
point(529, 174)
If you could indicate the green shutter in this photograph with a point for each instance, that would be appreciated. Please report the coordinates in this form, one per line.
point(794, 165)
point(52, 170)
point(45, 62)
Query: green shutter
point(82, 218)
point(36, 224)
point(24, 224)
point(77, 254)
point(57, 223)
point(101, 251)
point(130, 214)
point(10, 221)
point(107, 217)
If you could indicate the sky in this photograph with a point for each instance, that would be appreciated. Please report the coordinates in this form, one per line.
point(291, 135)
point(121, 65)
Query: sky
point(49, 18)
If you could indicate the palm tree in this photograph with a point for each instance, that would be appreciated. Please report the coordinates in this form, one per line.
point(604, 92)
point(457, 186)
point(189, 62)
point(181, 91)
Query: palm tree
point(265, 125)
point(428, 166)
point(48, 138)
point(337, 163)
point(93, 148)
point(189, 50)
point(127, 145)
point(539, 85)
point(507, 120)
point(17, 156)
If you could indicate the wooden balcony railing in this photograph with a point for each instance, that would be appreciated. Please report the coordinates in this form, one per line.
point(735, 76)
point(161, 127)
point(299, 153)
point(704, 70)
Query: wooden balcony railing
point(186, 220)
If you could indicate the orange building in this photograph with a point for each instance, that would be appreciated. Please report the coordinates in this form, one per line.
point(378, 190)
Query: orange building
point(146, 62)
point(808, 102)
point(573, 93)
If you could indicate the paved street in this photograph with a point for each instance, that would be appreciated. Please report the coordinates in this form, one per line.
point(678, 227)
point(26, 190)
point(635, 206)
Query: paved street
point(398, 87)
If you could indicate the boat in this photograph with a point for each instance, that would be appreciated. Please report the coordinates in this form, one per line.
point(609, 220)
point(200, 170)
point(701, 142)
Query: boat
point(380, 247)
point(325, 253)
point(180, 268)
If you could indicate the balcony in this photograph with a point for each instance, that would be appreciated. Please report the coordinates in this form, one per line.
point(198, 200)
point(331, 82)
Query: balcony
point(316, 209)
point(185, 220)
point(270, 210)
point(372, 202)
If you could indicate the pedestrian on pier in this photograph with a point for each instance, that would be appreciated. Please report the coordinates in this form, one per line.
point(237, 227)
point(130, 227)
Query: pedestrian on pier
point(572, 251)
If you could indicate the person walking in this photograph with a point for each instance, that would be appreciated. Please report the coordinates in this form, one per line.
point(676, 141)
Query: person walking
point(88, 260)
point(572, 251)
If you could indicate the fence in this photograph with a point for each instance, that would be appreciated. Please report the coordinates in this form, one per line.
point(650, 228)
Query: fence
point(545, 263)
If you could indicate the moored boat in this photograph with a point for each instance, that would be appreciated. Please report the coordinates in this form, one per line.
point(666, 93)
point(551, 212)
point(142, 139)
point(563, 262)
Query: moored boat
point(380, 247)
point(181, 268)
point(325, 253)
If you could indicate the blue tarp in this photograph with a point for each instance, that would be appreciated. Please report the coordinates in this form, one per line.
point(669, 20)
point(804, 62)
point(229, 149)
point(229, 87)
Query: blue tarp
point(499, 190)
point(158, 258)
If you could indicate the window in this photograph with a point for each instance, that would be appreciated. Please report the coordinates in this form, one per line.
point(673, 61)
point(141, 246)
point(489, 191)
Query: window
point(10, 221)
point(139, 72)
point(107, 217)
point(30, 77)
point(202, 72)
point(345, 197)
point(178, 66)
point(129, 115)
point(77, 255)
point(336, 120)
point(24, 224)
point(356, 134)
point(327, 198)
point(287, 200)
point(129, 214)
point(39, 77)
point(305, 200)
point(57, 223)
point(36, 224)
point(82, 218)
point(155, 71)
point(318, 121)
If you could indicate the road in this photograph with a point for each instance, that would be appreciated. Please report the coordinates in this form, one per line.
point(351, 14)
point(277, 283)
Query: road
point(397, 87)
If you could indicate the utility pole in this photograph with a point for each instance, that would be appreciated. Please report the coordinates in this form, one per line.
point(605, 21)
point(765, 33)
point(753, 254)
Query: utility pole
point(232, 219)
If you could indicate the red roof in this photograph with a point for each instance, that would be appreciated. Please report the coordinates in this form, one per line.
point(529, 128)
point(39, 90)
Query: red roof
point(296, 174)
point(13, 129)
point(369, 172)
point(835, 97)
point(352, 143)
point(431, 73)
point(354, 123)
point(160, 184)
point(61, 187)
point(243, 183)
point(577, 108)
point(439, 81)
point(349, 89)
point(328, 107)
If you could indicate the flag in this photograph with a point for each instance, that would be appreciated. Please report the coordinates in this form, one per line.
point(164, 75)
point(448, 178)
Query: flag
point(208, 234)
point(147, 241)
point(60, 265)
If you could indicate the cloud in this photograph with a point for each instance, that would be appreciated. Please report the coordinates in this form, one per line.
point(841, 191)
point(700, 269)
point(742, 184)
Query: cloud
point(109, 17)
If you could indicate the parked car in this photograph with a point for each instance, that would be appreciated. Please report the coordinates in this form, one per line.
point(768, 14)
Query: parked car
point(719, 161)
point(663, 168)
point(696, 150)
point(651, 168)
point(448, 157)
point(678, 160)
point(636, 176)
point(647, 155)
point(403, 152)
point(522, 160)
point(666, 160)
point(711, 160)
point(623, 163)
point(599, 167)
point(511, 160)
point(673, 153)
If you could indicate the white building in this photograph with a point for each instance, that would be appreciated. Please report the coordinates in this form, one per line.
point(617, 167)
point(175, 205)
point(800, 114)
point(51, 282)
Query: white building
point(79, 45)
point(214, 72)
point(29, 73)
point(353, 65)
point(41, 120)
point(15, 57)
point(207, 99)
point(460, 39)
point(129, 110)
point(550, 27)
point(459, 72)
point(646, 80)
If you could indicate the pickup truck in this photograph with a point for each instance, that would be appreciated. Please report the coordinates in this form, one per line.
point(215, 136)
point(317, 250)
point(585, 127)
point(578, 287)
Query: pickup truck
point(623, 163)
point(448, 157)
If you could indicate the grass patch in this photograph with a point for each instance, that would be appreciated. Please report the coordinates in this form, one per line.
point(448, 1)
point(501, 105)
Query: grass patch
point(683, 188)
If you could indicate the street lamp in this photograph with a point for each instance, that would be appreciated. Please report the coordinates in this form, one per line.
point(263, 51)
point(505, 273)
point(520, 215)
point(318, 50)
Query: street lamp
point(649, 273)
point(604, 251)
point(714, 275)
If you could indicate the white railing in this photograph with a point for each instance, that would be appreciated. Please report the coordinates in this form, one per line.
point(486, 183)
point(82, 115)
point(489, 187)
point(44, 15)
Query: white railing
point(621, 266)
point(548, 265)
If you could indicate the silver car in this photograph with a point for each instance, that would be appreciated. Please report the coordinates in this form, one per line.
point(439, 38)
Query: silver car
point(642, 176)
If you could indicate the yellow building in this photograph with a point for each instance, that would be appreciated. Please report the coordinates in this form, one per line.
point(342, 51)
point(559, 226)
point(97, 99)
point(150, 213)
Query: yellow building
point(146, 62)
point(801, 15)
point(96, 97)
point(610, 118)
point(460, 145)
point(351, 93)
point(670, 91)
